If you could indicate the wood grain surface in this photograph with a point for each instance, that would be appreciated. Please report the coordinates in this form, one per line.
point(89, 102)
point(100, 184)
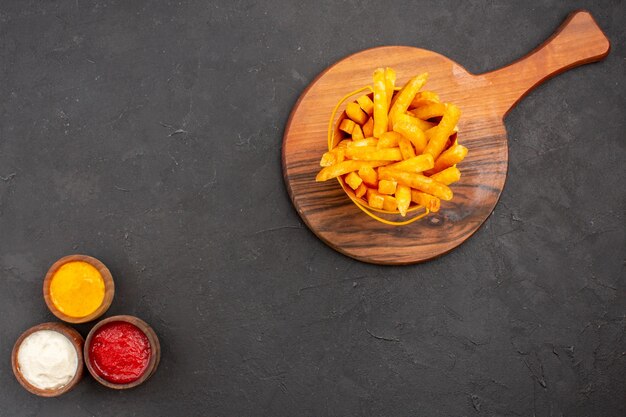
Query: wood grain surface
point(109, 288)
point(77, 341)
point(484, 100)
point(155, 351)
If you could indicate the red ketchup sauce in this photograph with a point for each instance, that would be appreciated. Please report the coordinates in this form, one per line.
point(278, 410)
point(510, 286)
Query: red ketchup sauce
point(119, 352)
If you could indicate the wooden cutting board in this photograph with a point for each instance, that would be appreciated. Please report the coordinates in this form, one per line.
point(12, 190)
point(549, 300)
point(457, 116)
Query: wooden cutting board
point(484, 100)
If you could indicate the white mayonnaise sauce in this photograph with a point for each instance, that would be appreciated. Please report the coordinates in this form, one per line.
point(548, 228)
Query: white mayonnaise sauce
point(47, 359)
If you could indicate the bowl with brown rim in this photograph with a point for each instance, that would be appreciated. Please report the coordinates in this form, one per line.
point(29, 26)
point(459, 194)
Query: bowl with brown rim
point(77, 341)
point(109, 288)
point(155, 351)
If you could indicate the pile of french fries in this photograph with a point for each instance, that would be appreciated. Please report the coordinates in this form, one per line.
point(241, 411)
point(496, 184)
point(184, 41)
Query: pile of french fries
point(400, 149)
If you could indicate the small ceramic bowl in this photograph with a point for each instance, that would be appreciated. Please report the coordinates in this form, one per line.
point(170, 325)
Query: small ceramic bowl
point(109, 288)
point(77, 341)
point(155, 351)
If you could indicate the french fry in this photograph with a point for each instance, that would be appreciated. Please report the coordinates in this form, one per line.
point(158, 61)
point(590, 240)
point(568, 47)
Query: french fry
point(389, 140)
point(374, 199)
point(405, 96)
point(333, 157)
point(380, 103)
point(369, 176)
point(423, 98)
point(353, 180)
point(412, 133)
point(368, 128)
point(362, 143)
point(432, 203)
point(444, 129)
point(394, 157)
point(390, 84)
point(450, 157)
point(430, 110)
point(357, 133)
point(370, 153)
point(345, 167)
point(417, 181)
point(360, 192)
point(410, 117)
point(447, 176)
point(403, 198)
point(387, 186)
point(417, 164)
point(354, 112)
point(406, 149)
point(343, 143)
point(366, 103)
point(347, 126)
point(390, 203)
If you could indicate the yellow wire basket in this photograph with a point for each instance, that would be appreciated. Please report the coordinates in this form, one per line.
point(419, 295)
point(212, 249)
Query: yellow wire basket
point(392, 218)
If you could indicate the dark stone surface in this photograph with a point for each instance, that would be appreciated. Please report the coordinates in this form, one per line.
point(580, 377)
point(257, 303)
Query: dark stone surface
point(148, 135)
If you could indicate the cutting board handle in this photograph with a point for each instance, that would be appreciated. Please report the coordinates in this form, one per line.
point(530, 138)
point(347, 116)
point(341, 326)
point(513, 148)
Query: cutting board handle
point(579, 40)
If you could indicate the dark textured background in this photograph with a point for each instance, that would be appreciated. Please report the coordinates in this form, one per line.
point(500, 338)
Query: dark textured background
point(149, 135)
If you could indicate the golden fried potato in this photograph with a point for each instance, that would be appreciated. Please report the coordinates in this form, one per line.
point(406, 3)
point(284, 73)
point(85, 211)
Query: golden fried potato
point(387, 186)
point(380, 103)
point(347, 126)
point(389, 140)
point(417, 181)
point(360, 192)
point(417, 164)
point(390, 203)
point(353, 180)
point(333, 157)
point(405, 96)
point(368, 128)
point(357, 133)
point(406, 149)
point(411, 132)
point(447, 176)
point(366, 103)
point(403, 198)
point(444, 130)
point(432, 203)
point(345, 167)
point(354, 112)
point(423, 98)
point(369, 176)
point(390, 85)
point(371, 153)
point(374, 199)
point(429, 111)
point(362, 143)
point(450, 157)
